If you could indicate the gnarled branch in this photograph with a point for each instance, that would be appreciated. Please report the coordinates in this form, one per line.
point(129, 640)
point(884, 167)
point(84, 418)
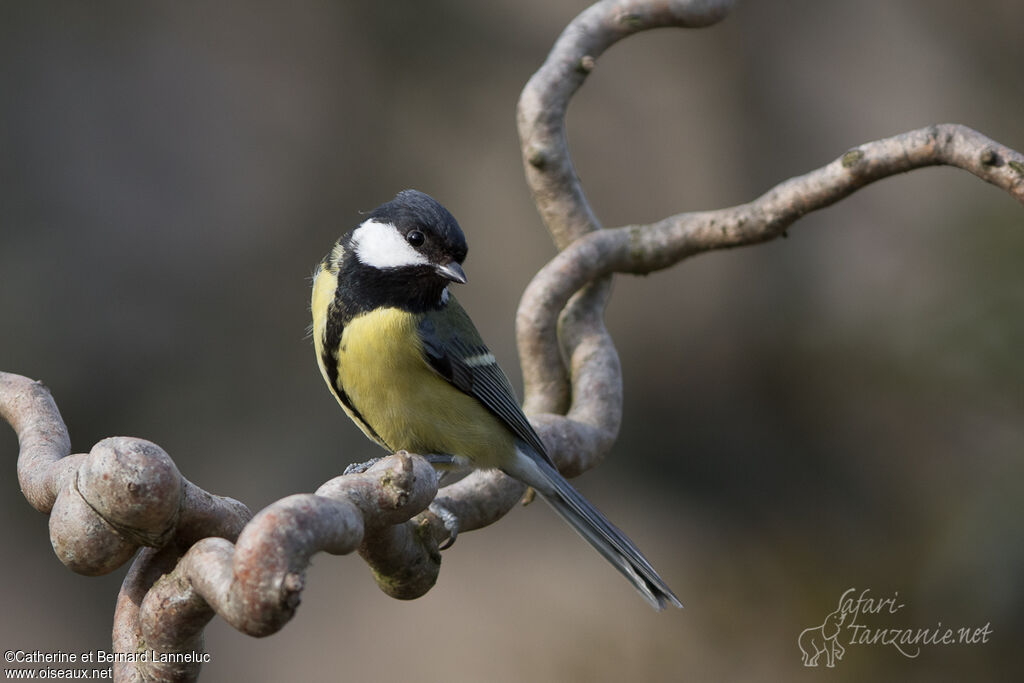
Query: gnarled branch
point(646, 248)
point(206, 555)
point(558, 194)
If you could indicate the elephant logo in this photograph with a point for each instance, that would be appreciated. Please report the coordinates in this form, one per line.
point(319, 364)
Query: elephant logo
point(823, 639)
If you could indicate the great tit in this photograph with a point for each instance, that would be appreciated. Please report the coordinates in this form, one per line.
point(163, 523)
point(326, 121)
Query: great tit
point(407, 364)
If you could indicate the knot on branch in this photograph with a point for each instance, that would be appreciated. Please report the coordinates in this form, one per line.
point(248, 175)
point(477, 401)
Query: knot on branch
point(126, 493)
point(255, 584)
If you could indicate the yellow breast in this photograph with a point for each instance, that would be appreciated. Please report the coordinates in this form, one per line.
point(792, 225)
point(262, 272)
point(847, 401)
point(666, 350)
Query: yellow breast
point(411, 407)
point(324, 284)
point(386, 379)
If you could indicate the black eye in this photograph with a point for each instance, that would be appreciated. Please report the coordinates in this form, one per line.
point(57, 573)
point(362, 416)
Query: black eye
point(415, 238)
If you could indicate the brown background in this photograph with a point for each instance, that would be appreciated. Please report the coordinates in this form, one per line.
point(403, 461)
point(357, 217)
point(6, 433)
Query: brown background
point(839, 409)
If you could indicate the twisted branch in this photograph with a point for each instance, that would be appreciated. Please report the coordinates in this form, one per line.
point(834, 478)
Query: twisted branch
point(206, 555)
point(556, 189)
point(643, 249)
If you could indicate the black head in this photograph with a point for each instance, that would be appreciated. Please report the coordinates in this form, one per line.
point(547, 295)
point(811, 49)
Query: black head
point(412, 212)
point(406, 252)
point(411, 231)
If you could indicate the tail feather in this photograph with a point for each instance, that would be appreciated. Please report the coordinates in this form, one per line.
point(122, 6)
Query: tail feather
point(588, 521)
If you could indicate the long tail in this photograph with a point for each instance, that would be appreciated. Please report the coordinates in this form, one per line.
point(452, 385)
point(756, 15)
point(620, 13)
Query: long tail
point(589, 523)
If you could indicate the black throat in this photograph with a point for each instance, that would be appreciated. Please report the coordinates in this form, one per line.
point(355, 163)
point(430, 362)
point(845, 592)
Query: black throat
point(363, 288)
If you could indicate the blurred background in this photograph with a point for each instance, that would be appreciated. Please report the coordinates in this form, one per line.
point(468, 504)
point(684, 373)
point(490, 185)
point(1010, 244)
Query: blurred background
point(840, 409)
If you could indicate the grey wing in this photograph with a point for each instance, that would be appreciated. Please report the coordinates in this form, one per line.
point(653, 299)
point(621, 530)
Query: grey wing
point(457, 353)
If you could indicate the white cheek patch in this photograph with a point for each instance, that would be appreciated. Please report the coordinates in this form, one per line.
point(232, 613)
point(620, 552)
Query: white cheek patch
point(380, 245)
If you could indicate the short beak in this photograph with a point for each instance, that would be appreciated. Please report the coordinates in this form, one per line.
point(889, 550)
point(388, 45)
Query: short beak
point(452, 271)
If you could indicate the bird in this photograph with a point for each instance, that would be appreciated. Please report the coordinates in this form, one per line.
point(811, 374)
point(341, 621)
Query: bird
point(408, 366)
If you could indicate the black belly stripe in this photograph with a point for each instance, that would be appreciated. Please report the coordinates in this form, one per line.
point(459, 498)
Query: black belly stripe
point(361, 289)
point(331, 363)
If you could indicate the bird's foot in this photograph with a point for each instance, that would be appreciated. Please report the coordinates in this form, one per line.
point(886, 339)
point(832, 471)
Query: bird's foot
point(450, 521)
point(449, 468)
point(360, 467)
point(445, 461)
